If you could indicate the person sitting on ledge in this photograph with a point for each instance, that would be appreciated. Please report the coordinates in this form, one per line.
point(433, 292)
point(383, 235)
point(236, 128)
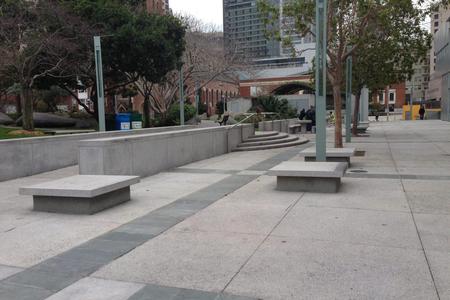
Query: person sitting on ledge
point(224, 119)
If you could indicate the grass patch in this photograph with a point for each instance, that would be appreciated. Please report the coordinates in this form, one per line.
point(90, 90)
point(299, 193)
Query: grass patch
point(16, 133)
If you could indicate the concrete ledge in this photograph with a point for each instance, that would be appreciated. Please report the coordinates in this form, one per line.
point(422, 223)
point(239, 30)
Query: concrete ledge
point(318, 177)
point(148, 154)
point(29, 156)
point(80, 194)
point(333, 154)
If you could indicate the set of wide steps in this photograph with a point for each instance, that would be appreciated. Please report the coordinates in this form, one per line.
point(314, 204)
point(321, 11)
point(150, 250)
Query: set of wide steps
point(270, 140)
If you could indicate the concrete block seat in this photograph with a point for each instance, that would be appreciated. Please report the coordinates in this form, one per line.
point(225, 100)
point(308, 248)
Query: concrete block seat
point(362, 127)
point(80, 194)
point(295, 128)
point(333, 154)
point(316, 177)
point(304, 124)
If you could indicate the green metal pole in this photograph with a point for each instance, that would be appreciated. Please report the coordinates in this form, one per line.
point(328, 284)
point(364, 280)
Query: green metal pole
point(321, 79)
point(348, 102)
point(197, 99)
point(181, 97)
point(411, 100)
point(100, 87)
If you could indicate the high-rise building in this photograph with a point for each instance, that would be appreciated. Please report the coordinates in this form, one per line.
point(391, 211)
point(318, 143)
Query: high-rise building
point(244, 31)
point(437, 26)
point(158, 6)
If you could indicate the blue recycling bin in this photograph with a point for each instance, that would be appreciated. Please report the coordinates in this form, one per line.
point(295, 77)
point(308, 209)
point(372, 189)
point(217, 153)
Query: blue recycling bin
point(123, 121)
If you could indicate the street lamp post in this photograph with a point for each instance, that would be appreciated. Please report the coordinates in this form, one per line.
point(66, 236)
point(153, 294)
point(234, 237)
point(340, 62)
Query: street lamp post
point(197, 99)
point(100, 87)
point(348, 102)
point(321, 76)
point(411, 99)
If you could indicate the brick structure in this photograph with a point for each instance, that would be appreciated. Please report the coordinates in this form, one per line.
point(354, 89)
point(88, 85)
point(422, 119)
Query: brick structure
point(158, 6)
point(394, 95)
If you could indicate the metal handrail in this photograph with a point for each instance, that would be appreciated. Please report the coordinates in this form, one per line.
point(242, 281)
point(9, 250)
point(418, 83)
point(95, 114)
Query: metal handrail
point(251, 115)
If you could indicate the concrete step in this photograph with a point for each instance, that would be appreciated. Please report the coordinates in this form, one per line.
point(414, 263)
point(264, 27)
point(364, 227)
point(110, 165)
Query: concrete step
point(260, 134)
point(278, 136)
point(300, 141)
point(288, 139)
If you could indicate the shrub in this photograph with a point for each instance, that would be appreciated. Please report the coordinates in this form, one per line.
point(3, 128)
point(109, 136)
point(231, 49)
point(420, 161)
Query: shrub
point(274, 105)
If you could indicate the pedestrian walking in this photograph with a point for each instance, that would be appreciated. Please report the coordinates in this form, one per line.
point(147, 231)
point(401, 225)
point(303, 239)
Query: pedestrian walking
point(422, 112)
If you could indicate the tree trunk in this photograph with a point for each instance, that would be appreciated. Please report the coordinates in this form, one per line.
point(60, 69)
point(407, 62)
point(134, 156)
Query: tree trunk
point(147, 122)
point(27, 106)
point(337, 97)
point(356, 113)
point(18, 104)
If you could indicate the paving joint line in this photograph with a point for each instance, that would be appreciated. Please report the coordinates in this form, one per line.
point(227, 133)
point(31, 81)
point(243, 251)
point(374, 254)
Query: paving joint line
point(288, 210)
point(135, 239)
point(414, 221)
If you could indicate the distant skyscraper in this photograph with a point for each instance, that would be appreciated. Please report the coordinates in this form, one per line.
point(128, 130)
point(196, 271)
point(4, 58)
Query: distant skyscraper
point(158, 6)
point(244, 31)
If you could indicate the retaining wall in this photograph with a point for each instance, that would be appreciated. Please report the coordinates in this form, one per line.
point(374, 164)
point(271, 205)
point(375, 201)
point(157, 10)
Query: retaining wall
point(148, 154)
point(29, 156)
point(277, 125)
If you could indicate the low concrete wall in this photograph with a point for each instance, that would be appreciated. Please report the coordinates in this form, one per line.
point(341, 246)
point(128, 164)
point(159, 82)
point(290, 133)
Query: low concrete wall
point(148, 154)
point(25, 157)
point(277, 125)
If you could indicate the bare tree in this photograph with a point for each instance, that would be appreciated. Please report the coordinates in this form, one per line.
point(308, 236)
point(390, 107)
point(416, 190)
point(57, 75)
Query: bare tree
point(204, 61)
point(37, 40)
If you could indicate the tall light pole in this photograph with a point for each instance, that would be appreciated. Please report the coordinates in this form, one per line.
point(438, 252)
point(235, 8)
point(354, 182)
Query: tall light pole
point(100, 87)
point(321, 79)
point(181, 96)
point(411, 104)
point(197, 99)
point(348, 101)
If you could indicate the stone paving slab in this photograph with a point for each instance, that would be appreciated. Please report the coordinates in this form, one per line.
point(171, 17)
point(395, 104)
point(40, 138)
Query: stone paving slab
point(360, 194)
point(97, 289)
point(353, 226)
point(440, 266)
point(193, 260)
point(434, 231)
point(155, 292)
point(287, 268)
point(7, 271)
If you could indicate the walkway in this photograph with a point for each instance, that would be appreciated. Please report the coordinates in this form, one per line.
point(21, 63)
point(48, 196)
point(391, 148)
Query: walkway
point(217, 229)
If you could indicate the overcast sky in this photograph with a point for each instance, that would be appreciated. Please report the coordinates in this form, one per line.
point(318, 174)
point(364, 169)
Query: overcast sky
point(209, 11)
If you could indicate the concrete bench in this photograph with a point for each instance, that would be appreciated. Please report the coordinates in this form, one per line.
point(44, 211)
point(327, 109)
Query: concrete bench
point(333, 154)
point(81, 194)
point(304, 124)
point(362, 127)
point(295, 128)
point(316, 177)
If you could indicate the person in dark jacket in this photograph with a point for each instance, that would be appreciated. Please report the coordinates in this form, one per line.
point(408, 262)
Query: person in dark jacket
point(302, 114)
point(422, 112)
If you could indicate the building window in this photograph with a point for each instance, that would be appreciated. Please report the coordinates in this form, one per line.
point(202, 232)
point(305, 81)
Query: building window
point(392, 96)
point(381, 97)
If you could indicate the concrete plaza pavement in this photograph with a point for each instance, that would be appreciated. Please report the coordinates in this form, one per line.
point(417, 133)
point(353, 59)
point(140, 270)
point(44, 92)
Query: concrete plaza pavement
point(218, 229)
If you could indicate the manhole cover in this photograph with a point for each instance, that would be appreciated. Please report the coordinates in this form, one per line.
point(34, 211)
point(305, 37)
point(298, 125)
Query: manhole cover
point(358, 171)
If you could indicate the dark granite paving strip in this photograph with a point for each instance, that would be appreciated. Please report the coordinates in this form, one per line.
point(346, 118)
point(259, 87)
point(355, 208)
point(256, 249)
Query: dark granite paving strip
point(279, 158)
point(60, 271)
point(204, 171)
point(155, 292)
point(395, 176)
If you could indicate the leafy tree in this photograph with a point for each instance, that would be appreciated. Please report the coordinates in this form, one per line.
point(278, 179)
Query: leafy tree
point(137, 48)
point(203, 61)
point(351, 24)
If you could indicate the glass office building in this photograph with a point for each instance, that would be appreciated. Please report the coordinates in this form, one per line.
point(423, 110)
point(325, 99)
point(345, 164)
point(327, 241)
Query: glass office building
point(244, 32)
